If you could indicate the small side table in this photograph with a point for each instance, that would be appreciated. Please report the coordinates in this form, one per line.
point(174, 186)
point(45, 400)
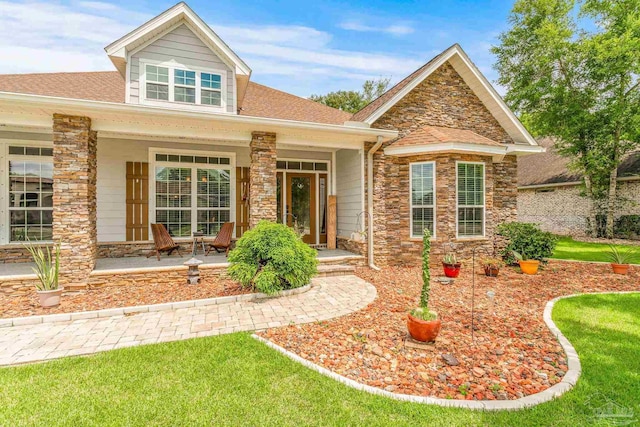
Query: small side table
point(198, 238)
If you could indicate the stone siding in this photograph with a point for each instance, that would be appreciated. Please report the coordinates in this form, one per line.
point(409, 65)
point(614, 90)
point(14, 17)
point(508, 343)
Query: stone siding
point(564, 210)
point(443, 99)
point(262, 178)
point(352, 246)
point(74, 196)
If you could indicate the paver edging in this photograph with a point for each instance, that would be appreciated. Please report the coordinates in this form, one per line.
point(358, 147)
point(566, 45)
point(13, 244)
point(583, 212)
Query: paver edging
point(120, 311)
point(568, 381)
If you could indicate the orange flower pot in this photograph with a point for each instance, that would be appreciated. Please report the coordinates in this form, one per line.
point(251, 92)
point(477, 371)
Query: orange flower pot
point(529, 266)
point(620, 268)
point(423, 330)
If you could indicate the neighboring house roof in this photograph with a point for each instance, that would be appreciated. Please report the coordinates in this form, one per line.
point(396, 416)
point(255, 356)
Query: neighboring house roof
point(550, 168)
point(456, 56)
point(109, 86)
point(438, 134)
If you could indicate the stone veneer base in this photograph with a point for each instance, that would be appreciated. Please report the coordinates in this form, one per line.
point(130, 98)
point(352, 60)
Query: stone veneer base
point(568, 381)
point(109, 312)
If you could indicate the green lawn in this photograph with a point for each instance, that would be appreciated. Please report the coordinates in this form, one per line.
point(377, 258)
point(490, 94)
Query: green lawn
point(584, 251)
point(235, 380)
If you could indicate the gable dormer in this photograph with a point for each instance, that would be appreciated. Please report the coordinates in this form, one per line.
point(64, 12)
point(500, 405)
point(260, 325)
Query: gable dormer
point(176, 61)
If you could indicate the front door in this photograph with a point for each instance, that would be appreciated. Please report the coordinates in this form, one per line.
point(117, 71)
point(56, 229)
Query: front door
point(300, 205)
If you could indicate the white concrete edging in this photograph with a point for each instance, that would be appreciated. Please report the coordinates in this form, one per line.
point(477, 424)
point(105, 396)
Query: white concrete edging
point(568, 381)
point(109, 312)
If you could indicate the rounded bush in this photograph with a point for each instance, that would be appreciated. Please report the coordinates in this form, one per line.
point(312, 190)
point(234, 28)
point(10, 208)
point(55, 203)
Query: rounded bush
point(526, 239)
point(270, 258)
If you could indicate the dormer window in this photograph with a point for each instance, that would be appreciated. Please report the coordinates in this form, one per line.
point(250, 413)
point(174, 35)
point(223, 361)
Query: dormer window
point(181, 85)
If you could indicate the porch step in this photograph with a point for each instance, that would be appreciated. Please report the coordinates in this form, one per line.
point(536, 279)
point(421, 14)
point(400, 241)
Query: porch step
point(332, 270)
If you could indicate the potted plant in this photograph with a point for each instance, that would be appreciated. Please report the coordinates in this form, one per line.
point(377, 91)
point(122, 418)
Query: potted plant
point(492, 266)
point(620, 259)
point(528, 266)
point(422, 323)
point(451, 265)
point(47, 269)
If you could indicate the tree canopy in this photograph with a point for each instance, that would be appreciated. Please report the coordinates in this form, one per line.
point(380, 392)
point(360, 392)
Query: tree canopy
point(352, 100)
point(571, 68)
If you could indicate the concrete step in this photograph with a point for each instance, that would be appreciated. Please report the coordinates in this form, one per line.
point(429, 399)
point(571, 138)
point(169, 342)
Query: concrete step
point(332, 270)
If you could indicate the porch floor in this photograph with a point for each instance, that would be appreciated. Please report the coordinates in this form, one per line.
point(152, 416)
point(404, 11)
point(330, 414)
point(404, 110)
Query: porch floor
point(130, 263)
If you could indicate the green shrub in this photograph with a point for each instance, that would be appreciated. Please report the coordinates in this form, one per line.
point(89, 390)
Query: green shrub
point(526, 239)
point(270, 258)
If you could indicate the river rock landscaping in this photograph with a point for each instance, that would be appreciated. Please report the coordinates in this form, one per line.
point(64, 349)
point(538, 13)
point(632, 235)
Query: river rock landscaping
point(119, 296)
point(511, 355)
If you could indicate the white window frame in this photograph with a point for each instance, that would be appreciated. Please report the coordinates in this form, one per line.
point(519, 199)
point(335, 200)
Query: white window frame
point(172, 66)
point(194, 193)
point(5, 228)
point(484, 201)
point(411, 205)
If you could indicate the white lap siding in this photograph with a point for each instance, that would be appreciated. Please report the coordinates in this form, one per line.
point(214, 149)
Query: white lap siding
point(350, 202)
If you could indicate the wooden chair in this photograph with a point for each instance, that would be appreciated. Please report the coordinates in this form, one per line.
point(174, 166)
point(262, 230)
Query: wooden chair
point(222, 241)
point(163, 241)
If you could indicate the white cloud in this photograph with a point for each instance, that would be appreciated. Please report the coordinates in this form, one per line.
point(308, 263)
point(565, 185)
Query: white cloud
point(395, 29)
point(39, 36)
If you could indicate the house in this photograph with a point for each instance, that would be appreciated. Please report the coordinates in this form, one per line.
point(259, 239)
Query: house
point(553, 196)
point(178, 134)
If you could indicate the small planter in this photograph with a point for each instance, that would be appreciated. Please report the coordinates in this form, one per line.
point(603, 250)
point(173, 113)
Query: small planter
point(50, 298)
point(529, 266)
point(491, 271)
point(620, 268)
point(451, 270)
point(423, 330)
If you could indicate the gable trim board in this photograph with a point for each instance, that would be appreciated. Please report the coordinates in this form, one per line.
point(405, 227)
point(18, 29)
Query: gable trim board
point(460, 61)
point(119, 50)
point(462, 147)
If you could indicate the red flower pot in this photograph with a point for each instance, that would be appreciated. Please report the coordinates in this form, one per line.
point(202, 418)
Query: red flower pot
point(620, 268)
point(423, 330)
point(451, 270)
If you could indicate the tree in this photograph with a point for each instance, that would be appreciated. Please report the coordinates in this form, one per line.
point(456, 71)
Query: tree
point(351, 100)
point(571, 67)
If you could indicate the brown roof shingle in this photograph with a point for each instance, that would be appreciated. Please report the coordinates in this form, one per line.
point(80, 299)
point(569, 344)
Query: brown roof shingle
point(109, 86)
point(439, 134)
point(552, 168)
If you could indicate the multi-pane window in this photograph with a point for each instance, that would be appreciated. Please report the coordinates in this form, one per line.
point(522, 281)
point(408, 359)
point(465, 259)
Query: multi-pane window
point(471, 199)
point(193, 193)
point(211, 92)
point(422, 198)
point(157, 82)
point(180, 85)
point(30, 193)
point(184, 86)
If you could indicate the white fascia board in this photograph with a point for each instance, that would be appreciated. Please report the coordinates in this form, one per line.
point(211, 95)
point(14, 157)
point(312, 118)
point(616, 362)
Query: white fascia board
point(446, 56)
point(119, 47)
point(447, 147)
point(524, 150)
point(39, 103)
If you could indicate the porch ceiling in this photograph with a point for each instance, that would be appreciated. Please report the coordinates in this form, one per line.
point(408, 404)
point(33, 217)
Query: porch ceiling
point(133, 121)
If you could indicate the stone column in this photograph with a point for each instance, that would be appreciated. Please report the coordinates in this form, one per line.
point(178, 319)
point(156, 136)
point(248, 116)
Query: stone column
point(74, 196)
point(262, 178)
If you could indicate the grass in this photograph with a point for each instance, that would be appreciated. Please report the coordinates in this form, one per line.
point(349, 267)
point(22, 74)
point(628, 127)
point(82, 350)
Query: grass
point(568, 248)
point(235, 380)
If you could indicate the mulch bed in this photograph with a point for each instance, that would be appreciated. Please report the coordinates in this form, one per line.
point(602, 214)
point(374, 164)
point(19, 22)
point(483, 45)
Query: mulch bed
point(513, 354)
point(118, 296)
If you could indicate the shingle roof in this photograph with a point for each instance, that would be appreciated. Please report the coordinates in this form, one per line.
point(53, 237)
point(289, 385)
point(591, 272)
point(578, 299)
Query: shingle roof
point(552, 168)
point(439, 134)
point(109, 86)
point(382, 99)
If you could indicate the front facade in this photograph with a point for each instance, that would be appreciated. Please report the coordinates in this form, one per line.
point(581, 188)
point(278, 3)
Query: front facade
point(180, 135)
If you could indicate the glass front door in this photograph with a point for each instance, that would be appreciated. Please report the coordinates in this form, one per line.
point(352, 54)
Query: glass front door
point(301, 205)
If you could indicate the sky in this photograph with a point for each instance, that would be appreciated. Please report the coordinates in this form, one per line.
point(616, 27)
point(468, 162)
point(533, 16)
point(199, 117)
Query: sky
point(300, 47)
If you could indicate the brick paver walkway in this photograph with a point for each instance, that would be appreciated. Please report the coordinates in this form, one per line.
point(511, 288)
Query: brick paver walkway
point(329, 297)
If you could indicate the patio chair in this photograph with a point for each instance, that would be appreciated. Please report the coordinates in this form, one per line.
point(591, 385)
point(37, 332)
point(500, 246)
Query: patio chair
point(162, 241)
point(222, 241)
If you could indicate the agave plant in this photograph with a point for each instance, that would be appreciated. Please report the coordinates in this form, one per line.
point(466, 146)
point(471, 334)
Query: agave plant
point(47, 265)
point(617, 256)
point(450, 259)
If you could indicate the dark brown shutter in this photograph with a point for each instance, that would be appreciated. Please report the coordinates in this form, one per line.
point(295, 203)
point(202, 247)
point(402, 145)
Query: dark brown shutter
point(137, 201)
point(242, 200)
